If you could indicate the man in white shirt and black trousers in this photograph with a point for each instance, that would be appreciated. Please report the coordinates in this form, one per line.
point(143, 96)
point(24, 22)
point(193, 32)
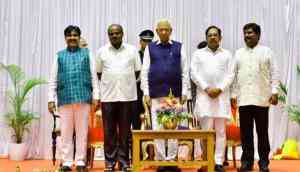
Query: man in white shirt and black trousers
point(254, 89)
point(119, 64)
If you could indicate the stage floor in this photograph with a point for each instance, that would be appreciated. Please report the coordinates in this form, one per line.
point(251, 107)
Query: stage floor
point(40, 166)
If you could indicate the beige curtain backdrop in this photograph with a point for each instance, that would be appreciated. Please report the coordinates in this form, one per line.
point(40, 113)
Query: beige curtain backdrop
point(31, 32)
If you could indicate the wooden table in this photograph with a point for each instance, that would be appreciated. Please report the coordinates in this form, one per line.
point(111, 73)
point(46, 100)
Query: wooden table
point(140, 135)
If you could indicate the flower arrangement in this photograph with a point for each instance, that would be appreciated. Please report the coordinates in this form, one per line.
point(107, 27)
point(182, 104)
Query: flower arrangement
point(171, 112)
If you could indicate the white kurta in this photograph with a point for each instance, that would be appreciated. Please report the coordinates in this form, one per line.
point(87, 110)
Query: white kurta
point(212, 69)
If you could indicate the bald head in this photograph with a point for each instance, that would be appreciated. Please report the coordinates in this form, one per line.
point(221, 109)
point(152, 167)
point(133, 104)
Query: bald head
point(164, 30)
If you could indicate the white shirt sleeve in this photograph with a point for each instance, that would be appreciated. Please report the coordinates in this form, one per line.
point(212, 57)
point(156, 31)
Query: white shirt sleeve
point(234, 86)
point(274, 73)
point(95, 84)
point(52, 82)
point(195, 75)
point(137, 61)
point(229, 76)
point(98, 61)
point(145, 71)
point(185, 73)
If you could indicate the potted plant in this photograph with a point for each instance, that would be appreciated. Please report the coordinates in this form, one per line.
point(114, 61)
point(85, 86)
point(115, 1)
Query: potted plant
point(292, 109)
point(171, 112)
point(17, 118)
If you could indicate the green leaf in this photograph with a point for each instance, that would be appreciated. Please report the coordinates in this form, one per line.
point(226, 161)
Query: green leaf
point(29, 84)
point(298, 69)
point(282, 93)
point(283, 88)
point(294, 113)
point(15, 72)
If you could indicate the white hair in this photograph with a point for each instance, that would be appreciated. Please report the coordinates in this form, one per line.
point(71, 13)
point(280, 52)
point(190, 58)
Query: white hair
point(166, 21)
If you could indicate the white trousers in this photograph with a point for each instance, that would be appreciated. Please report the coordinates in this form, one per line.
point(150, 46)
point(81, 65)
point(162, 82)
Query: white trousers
point(160, 146)
point(74, 117)
point(219, 124)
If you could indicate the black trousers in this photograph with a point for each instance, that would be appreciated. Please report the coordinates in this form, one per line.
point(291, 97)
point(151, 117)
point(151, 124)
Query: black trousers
point(259, 115)
point(116, 123)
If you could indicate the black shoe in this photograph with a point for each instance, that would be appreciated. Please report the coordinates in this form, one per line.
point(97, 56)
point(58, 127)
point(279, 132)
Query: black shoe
point(81, 168)
point(66, 169)
point(109, 166)
point(218, 168)
point(225, 163)
point(263, 168)
point(245, 167)
point(125, 169)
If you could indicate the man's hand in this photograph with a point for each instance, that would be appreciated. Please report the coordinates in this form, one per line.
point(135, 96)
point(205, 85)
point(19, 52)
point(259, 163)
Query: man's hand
point(147, 100)
point(217, 92)
point(51, 107)
point(213, 92)
point(183, 99)
point(96, 104)
point(274, 99)
point(233, 102)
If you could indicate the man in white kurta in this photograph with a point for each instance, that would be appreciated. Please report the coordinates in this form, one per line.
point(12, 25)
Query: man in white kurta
point(211, 71)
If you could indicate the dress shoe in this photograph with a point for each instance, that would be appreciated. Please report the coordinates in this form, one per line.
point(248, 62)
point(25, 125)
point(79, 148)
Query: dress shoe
point(66, 169)
point(245, 167)
point(225, 163)
point(81, 168)
point(125, 168)
point(218, 168)
point(263, 168)
point(109, 166)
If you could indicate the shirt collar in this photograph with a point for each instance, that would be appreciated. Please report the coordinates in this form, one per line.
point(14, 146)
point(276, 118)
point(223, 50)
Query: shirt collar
point(73, 50)
point(159, 42)
point(112, 47)
point(220, 49)
point(252, 49)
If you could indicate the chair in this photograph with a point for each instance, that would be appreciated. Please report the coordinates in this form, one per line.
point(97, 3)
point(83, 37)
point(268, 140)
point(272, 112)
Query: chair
point(233, 136)
point(95, 135)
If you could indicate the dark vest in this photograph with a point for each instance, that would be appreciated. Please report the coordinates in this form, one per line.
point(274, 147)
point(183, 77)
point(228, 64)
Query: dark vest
point(165, 69)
